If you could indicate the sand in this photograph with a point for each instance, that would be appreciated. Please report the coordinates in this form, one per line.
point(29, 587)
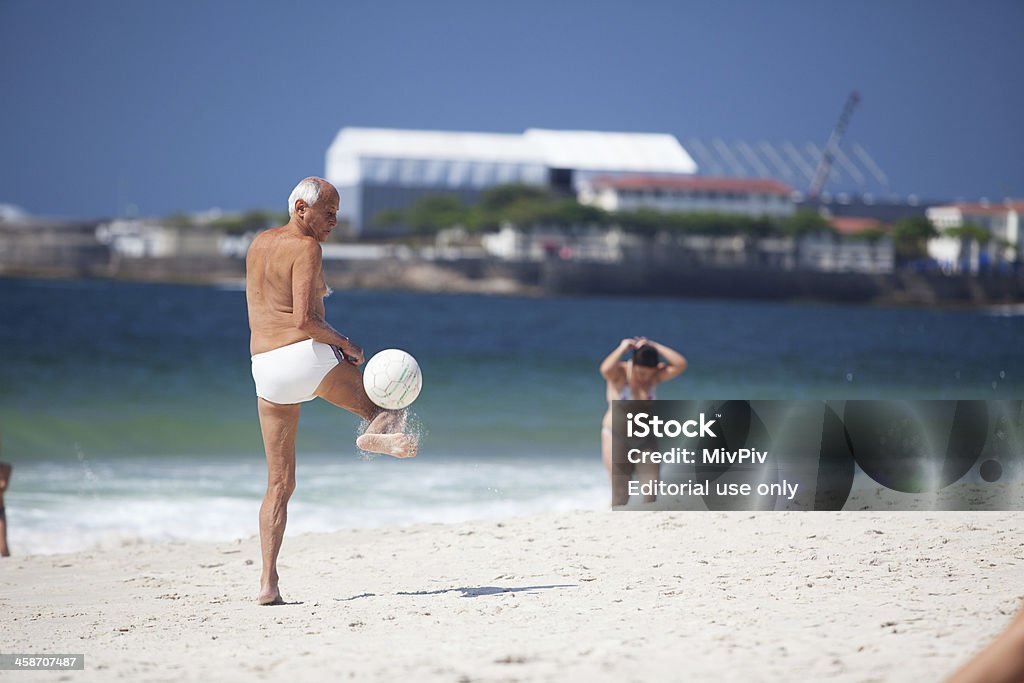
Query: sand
point(589, 596)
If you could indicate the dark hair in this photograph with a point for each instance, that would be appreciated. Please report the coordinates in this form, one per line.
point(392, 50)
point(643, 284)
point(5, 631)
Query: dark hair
point(646, 356)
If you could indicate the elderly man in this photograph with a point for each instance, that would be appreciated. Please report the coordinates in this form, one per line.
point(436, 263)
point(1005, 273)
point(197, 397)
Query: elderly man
point(297, 356)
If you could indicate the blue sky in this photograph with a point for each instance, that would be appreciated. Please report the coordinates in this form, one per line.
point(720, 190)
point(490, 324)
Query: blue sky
point(188, 105)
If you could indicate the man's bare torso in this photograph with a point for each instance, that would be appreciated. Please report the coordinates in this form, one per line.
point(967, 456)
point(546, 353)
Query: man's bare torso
point(268, 290)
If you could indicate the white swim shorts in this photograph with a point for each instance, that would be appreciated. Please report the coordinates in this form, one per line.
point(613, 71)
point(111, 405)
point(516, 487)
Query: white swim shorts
point(291, 374)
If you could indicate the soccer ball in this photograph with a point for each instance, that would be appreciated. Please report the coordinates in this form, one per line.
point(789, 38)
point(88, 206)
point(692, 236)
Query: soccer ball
point(392, 379)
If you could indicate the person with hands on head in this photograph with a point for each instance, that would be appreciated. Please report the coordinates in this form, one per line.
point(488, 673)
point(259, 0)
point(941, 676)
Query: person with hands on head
point(634, 379)
point(5, 478)
point(298, 356)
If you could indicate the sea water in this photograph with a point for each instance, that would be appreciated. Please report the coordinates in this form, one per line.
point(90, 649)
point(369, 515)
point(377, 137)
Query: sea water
point(129, 414)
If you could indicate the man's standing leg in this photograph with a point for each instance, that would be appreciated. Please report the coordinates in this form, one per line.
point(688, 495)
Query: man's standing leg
point(279, 424)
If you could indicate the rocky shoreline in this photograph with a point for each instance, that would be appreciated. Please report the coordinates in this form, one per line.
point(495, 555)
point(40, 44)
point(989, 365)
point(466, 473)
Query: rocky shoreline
point(555, 278)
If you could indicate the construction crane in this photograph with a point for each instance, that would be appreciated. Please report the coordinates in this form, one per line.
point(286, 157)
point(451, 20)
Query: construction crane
point(832, 146)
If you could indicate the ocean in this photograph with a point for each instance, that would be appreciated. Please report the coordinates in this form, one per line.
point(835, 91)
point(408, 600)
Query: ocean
point(128, 409)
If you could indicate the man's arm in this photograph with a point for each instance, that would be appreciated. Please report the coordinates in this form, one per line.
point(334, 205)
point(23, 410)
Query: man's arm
point(307, 273)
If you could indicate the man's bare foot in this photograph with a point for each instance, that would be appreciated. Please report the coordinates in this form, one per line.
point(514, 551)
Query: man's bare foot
point(396, 445)
point(270, 595)
point(387, 422)
point(271, 599)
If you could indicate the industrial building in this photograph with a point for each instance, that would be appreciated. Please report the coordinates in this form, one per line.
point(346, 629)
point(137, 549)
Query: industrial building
point(377, 169)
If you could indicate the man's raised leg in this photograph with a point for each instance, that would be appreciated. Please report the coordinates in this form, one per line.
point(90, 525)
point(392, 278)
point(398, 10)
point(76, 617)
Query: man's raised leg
point(279, 424)
point(343, 386)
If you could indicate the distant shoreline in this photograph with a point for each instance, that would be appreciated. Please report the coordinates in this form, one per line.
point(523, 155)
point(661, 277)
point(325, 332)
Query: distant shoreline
point(562, 278)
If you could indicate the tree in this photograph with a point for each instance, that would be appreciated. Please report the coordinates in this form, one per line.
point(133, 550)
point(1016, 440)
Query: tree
point(388, 218)
point(872, 235)
point(522, 205)
point(530, 206)
point(180, 220)
point(910, 237)
point(643, 221)
point(804, 223)
point(253, 220)
point(434, 212)
point(569, 212)
point(970, 234)
point(499, 198)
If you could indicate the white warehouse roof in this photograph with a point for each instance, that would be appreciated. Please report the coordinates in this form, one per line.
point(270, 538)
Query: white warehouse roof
point(586, 150)
point(578, 150)
point(433, 144)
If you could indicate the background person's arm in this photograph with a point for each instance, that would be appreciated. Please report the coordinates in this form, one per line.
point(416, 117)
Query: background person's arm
point(610, 368)
point(676, 361)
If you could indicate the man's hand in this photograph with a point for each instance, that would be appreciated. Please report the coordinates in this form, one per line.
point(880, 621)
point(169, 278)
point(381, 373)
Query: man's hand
point(353, 354)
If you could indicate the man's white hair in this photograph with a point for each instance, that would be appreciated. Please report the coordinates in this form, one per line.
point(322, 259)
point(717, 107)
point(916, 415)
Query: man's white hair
point(308, 190)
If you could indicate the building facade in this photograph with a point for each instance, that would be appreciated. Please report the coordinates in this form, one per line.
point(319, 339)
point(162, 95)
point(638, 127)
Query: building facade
point(957, 253)
point(754, 197)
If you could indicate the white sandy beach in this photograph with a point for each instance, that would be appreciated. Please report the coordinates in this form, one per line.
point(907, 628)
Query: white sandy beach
point(590, 596)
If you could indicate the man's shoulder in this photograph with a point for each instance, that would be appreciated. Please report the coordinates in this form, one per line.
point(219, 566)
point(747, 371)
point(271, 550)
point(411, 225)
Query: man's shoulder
point(304, 248)
point(271, 235)
point(279, 238)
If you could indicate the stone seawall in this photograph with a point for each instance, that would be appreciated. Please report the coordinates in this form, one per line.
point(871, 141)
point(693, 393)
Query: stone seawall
point(902, 287)
point(482, 276)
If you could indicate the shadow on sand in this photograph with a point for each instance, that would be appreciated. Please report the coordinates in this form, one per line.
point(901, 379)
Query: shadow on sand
point(480, 591)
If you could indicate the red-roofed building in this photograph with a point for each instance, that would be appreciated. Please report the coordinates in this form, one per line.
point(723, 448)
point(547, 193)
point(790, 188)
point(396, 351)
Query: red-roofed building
point(693, 194)
point(854, 225)
point(1002, 220)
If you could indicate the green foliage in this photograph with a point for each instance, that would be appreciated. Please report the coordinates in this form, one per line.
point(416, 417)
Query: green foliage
point(569, 212)
point(971, 232)
point(910, 237)
point(179, 220)
point(524, 206)
point(250, 221)
point(434, 212)
point(913, 229)
point(388, 218)
point(872, 235)
point(500, 198)
point(642, 221)
point(805, 223)
point(235, 224)
point(478, 220)
point(528, 207)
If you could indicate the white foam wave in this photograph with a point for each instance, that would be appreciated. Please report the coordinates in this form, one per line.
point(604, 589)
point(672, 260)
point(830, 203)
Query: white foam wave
point(54, 510)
